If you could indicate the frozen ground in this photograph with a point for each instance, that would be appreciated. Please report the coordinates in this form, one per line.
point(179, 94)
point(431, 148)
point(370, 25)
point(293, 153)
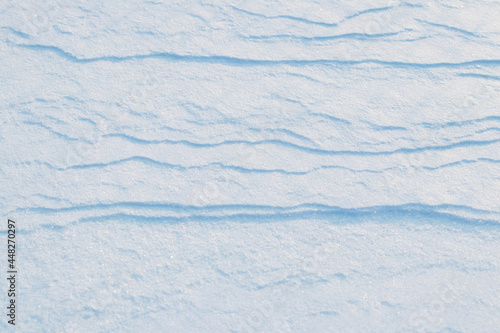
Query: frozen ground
point(252, 166)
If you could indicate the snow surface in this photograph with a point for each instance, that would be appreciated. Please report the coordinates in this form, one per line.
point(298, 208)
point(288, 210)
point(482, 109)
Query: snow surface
point(252, 166)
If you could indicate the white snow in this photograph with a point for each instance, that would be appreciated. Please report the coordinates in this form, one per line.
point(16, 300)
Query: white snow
point(252, 166)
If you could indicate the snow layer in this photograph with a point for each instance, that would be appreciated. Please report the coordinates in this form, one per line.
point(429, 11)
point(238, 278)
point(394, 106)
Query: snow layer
point(215, 166)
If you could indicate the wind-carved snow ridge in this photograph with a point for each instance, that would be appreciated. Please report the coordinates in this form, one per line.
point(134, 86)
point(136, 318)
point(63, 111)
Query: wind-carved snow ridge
point(248, 166)
point(168, 213)
point(232, 61)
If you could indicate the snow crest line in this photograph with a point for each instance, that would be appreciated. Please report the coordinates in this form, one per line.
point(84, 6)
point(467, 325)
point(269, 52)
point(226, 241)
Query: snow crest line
point(412, 213)
point(178, 207)
point(269, 218)
point(385, 214)
point(233, 61)
point(467, 143)
point(241, 169)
